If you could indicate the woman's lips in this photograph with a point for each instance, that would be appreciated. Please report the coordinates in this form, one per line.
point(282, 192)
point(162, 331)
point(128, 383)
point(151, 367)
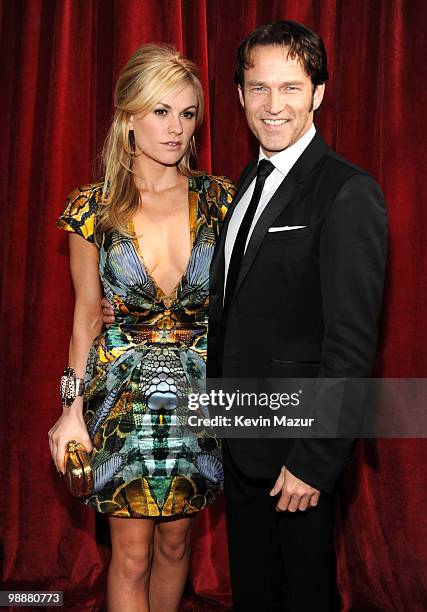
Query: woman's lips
point(172, 144)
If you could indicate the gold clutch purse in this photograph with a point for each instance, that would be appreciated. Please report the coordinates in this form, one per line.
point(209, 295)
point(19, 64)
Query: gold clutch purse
point(78, 469)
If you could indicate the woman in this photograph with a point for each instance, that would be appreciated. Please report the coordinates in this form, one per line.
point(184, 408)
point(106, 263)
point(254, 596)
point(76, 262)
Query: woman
point(145, 237)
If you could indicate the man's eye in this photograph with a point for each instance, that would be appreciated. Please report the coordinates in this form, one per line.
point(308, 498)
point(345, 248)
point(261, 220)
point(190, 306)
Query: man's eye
point(258, 89)
point(291, 88)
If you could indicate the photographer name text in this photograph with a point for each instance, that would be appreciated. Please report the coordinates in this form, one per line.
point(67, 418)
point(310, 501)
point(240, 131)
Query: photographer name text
point(242, 421)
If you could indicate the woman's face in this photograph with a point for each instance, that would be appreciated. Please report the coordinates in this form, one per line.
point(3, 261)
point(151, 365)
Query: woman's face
point(163, 134)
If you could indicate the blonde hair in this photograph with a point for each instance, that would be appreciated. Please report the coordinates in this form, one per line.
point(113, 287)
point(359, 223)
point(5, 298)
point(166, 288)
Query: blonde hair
point(153, 72)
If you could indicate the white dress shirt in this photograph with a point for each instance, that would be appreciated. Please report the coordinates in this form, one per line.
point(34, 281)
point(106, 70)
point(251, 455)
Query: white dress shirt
point(282, 163)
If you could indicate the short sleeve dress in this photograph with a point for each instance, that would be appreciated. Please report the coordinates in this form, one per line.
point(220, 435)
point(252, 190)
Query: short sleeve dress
point(146, 460)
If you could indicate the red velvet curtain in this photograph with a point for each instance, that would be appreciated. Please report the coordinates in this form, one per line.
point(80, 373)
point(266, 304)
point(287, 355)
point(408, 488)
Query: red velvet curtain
point(59, 60)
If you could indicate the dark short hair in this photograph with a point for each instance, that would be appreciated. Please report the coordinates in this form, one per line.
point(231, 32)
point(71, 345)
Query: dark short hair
point(301, 43)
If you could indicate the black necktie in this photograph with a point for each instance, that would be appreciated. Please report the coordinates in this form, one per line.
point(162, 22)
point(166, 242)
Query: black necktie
point(265, 167)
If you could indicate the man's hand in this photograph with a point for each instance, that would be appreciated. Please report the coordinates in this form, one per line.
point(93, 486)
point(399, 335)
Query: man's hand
point(107, 312)
point(295, 494)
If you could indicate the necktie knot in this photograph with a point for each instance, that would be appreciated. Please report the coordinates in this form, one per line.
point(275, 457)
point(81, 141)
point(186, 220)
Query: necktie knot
point(265, 167)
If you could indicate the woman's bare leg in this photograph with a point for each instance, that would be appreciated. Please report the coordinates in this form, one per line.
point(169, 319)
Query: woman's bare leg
point(171, 560)
point(129, 571)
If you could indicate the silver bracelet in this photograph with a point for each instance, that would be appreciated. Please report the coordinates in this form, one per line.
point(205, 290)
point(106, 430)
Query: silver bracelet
point(71, 386)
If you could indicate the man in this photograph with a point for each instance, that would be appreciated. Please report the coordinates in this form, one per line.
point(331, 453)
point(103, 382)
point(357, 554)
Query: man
point(296, 289)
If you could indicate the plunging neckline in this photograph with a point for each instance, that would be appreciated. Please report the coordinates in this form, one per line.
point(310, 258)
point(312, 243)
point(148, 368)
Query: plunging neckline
point(192, 215)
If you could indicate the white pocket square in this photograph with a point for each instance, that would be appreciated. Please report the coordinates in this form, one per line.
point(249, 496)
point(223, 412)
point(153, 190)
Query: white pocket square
point(286, 228)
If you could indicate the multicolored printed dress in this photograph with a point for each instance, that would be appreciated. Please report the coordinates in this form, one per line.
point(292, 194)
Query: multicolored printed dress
point(147, 462)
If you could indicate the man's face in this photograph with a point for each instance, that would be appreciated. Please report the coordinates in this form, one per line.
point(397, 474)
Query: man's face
point(278, 98)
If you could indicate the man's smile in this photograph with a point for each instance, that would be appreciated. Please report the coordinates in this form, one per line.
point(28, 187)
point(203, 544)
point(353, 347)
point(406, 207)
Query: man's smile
point(275, 121)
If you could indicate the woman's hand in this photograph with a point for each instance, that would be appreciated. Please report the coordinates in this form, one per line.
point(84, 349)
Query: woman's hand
point(69, 426)
point(107, 312)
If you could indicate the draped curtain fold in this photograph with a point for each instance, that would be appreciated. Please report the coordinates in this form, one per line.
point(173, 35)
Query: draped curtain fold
point(58, 64)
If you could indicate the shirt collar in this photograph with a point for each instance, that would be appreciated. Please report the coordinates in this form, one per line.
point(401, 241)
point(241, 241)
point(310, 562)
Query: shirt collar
point(284, 160)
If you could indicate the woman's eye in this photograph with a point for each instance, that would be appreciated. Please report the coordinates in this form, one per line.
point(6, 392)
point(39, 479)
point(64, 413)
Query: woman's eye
point(188, 114)
point(160, 111)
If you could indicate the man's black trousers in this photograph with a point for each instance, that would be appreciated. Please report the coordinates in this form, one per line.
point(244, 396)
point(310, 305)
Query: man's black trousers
point(278, 560)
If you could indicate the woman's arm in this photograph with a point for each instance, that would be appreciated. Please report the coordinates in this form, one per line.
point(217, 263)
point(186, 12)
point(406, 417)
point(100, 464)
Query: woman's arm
point(87, 324)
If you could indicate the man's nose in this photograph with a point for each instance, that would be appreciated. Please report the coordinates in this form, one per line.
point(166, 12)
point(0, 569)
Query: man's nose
point(175, 126)
point(275, 102)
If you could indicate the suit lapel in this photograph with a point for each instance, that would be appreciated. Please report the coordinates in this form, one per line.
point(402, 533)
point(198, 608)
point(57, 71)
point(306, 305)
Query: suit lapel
point(217, 264)
point(243, 185)
point(285, 193)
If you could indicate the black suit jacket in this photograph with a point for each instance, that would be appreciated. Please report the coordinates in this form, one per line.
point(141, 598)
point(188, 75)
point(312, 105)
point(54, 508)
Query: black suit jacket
point(307, 301)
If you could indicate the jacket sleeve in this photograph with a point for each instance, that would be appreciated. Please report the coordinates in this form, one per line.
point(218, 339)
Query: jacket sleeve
point(352, 253)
